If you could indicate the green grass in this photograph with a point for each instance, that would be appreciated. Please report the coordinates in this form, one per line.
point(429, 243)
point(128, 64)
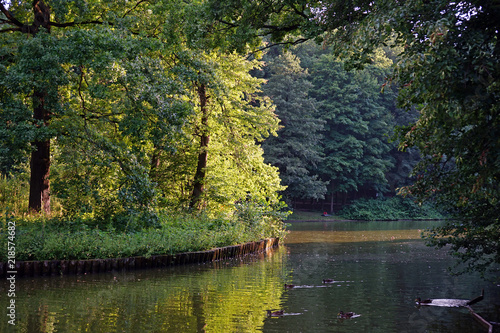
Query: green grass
point(78, 238)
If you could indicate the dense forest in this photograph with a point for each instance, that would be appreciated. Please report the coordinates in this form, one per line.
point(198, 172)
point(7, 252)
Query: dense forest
point(336, 140)
point(125, 113)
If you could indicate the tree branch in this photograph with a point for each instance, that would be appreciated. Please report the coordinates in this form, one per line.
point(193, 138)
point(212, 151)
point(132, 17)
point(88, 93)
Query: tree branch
point(12, 19)
point(131, 9)
point(10, 29)
point(70, 24)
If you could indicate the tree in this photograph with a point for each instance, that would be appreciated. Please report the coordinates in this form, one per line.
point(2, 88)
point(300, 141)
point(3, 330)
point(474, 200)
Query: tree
point(92, 84)
point(449, 70)
point(35, 62)
point(358, 123)
point(296, 149)
point(219, 162)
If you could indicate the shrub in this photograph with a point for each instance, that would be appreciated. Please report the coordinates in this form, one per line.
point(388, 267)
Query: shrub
point(396, 208)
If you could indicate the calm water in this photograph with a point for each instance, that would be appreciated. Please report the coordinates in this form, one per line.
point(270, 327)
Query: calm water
point(381, 267)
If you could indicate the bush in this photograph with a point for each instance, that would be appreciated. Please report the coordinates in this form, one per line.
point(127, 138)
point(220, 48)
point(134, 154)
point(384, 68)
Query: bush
point(396, 208)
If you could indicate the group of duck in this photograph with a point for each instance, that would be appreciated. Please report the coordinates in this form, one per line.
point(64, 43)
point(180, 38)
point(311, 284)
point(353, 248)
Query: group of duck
point(340, 315)
point(446, 302)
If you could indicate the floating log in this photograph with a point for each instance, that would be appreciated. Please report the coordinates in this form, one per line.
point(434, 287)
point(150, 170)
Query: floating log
point(449, 302)
point(477, 299)
point(486, 324)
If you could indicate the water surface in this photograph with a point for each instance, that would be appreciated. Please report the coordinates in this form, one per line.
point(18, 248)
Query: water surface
point(380, 268)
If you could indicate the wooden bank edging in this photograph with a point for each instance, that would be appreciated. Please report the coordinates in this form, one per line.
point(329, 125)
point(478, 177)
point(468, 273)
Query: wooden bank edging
point(65, 267)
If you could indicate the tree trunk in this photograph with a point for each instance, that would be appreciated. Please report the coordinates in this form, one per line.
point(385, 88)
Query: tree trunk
point(199, 177)
point(155, 164)
point(331, 203)
point(39, 198)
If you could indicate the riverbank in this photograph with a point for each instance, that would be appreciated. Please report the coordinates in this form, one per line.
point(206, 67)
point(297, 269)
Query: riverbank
point(79, 267)
point(84, 239)
point(380, 209)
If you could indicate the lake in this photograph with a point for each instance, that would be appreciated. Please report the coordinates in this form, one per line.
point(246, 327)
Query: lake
point(379, 268)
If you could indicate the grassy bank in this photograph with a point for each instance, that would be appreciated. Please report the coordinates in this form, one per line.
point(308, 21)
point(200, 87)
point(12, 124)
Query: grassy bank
point(78, 238)
point(395, 208)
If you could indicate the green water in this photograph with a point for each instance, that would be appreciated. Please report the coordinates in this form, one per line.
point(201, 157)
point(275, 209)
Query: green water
point(381, 267)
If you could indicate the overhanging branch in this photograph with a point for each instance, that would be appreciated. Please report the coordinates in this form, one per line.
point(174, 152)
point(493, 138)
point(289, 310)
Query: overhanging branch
point(12, 20)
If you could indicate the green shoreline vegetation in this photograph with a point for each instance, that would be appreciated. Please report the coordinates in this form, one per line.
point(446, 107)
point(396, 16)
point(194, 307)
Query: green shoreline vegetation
point(78, 238)
point(395, 208)
point(63, 238)
point(384, 209)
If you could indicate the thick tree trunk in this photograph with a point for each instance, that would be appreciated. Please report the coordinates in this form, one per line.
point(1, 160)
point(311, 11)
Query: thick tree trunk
point(199, 177)
point(39, 198)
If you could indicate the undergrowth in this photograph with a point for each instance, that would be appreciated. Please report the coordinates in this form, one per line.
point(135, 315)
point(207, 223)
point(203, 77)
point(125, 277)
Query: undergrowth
point(84, 238)
point(395, 208)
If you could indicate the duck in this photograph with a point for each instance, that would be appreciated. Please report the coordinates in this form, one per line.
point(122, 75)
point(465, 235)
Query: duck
point(278, 313)
point(289, 286)
point(328, 280)
point(345, 315)
point(425, 301)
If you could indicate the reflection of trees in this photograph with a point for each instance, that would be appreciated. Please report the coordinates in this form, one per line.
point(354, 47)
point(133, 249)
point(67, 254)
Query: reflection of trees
point(223, 296)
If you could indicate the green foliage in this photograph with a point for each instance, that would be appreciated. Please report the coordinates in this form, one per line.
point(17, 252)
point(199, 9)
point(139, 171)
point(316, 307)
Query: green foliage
point(358, 123)
point(296, 150)
point(13, 194)
point(122, 112)
point(395, 208)
point(448, 69)
point(83, 238)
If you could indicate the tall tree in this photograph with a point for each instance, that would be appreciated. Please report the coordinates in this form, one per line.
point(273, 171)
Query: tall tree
point(85, 83)
point(40, 156)
point(448, 69)
point(296, 150)
point(218, 161)
point(357, 126)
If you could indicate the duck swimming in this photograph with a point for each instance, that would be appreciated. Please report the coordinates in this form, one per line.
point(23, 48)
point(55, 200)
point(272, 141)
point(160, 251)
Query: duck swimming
point(346, 315)
point(289, 286)
point(271, 313)
point(328, 280)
